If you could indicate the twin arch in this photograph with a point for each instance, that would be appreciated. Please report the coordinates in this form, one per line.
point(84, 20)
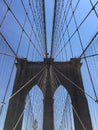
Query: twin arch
point(48, 75)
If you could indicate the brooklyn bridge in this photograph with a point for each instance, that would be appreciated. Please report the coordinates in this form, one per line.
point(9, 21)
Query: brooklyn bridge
point(48, 65)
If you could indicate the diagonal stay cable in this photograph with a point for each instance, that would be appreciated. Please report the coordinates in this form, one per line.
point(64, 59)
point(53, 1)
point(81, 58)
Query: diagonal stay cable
point(83, 53)
point(22, 87)
point(36, 19)
point(14, 60)
point(93, 8)
point(31, 24)
point(21, 115)
point(66, 13)
point(84, 128)
point(18, 120)
point(56, 55)
point(75, 84)
point(89, 44)
point(89, 56)
point(65, 18)
point(60, 13)
point(8, 44)
point(6, 54)
point(65, 105)
point(4, 17)
point(20, 25)
point(13, 63)
point(81, 43)
point(65, 99)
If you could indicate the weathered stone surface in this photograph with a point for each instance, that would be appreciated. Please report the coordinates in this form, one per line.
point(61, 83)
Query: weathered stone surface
point(70, 70)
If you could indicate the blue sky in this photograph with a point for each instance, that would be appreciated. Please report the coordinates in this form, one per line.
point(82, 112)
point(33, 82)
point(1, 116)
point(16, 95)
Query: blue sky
point(49, 21)
point(12, 31)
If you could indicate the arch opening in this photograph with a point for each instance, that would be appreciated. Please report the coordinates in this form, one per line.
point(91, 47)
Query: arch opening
point(63, 113)
point(33, 114)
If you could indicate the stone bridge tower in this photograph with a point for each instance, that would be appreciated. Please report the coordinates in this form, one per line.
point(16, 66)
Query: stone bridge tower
point(30, 73)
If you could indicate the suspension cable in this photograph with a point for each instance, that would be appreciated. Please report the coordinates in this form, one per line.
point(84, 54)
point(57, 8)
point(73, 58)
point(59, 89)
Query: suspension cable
point(88, 44)
point(30, 22)
point(22, 87)
point(18, 120)
point(27, 116)
point(75, 30)
point(8, 8)
point(74, 84)
point(44, 17)
point(78, 117)
point(8, 44)
point(2, 53)
point(13, 63)
point(23, 28)
point(53, 27)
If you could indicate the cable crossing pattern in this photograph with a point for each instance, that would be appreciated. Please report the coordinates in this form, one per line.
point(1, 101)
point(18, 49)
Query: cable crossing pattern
point(23, 35)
